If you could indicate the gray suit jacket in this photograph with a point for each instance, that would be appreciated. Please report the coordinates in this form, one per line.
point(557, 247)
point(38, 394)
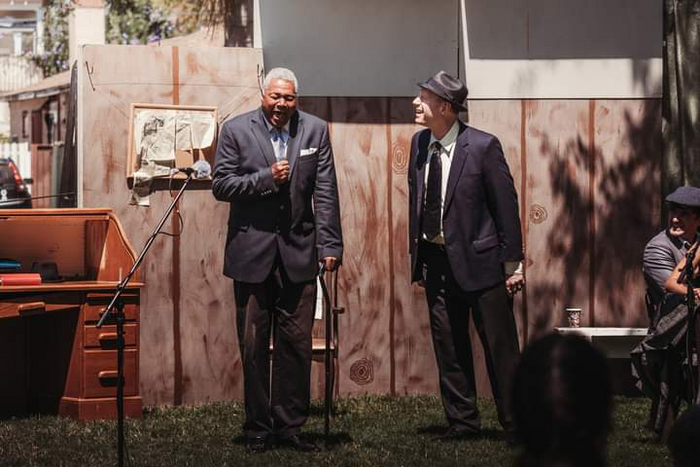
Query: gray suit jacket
point(264, 218)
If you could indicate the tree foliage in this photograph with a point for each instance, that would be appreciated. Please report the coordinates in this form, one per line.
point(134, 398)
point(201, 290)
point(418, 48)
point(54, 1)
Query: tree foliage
point(55, 56)
point(137, 22)
point(126, 22)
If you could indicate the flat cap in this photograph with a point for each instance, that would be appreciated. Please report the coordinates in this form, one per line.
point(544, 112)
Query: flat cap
point(686, 196)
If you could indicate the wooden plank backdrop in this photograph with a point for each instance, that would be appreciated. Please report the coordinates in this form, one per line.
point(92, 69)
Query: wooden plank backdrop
point(587, 174)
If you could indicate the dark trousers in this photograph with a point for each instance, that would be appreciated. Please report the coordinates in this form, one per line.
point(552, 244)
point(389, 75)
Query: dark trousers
point(492, 312)
point(290, 306)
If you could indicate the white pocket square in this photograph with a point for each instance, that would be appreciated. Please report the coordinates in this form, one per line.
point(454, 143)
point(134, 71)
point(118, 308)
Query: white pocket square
point(307, 152)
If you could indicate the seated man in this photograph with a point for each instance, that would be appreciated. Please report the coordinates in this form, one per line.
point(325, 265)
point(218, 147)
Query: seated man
point(657, 361)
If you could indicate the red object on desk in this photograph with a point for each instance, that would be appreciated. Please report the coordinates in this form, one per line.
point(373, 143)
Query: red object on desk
point(20, 278)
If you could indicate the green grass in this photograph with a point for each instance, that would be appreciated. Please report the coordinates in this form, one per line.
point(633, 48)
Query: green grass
point(367, 431)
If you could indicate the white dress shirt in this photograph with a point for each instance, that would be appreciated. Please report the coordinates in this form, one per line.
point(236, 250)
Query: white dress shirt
point(279, 137)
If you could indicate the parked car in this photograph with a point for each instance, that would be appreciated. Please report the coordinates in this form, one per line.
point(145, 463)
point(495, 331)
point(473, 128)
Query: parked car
point(13, 189)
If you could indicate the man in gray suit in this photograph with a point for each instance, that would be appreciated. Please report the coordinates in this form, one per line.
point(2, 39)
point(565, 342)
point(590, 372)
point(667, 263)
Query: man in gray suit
point(274, 165)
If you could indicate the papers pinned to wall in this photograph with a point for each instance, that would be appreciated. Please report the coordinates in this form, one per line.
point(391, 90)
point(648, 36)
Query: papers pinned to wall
point(163, 137)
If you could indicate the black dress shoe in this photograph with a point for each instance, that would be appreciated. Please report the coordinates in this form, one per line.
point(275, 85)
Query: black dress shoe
point(456, 434)
point(256, 444)
point(295, 442)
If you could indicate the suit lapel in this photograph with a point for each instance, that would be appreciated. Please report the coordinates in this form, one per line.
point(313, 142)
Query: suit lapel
point(262, 134)
point(459, 157)
point(296, 132)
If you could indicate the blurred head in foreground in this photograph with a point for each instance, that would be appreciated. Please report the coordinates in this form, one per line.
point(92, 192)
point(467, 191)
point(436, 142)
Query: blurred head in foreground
point(562, 403)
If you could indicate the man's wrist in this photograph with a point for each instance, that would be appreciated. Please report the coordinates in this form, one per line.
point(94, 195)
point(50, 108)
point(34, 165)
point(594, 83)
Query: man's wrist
point(513, 267)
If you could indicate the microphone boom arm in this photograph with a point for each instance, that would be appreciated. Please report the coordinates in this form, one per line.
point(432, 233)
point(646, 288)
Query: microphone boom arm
point(125, 281)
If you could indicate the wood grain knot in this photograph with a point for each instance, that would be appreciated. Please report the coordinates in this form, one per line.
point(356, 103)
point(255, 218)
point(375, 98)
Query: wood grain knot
point(538, 214)
point(362, 371)
point(399, 158)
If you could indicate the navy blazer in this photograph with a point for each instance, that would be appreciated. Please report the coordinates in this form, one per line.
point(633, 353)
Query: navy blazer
point(481, 221)
point(265, 218)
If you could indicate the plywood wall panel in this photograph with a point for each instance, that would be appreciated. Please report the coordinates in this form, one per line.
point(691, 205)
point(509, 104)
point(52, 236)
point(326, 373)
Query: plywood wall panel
point(627, 202)
point(557, 206)
point(360, 157)
point(211, 368)
point(414, 361)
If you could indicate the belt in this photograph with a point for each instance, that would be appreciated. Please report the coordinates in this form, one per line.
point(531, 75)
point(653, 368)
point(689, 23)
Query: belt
point(434, 247)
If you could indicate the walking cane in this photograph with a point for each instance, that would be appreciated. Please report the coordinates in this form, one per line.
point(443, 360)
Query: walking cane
point(327, 355)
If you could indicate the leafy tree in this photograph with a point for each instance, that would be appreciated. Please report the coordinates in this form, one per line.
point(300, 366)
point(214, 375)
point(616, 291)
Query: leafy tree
point(136, 22)
point(55, 56)
point(127, 22)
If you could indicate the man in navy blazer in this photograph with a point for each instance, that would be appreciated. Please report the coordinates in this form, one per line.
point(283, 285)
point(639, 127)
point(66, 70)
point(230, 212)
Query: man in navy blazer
point(274, 165)
point(466, 249)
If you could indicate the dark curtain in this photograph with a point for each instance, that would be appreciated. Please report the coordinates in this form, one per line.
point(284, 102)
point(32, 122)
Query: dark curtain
point(681, 94)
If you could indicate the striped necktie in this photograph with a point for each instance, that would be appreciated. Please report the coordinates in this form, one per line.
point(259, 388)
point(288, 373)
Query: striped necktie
point(433, 196)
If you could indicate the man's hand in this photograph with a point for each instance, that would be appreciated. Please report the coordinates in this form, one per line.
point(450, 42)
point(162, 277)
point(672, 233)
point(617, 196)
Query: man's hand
point(514, 284)
point(280, 171)
point(331, 263)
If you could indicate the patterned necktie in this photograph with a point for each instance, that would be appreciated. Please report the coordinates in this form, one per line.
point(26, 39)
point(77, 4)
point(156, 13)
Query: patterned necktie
point(433, 195)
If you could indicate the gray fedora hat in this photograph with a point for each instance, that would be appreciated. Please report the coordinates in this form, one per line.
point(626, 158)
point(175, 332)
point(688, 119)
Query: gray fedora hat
point(447, 87)
point(686, 196)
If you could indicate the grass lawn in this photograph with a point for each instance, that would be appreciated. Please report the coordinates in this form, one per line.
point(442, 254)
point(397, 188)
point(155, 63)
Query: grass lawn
point(373, 431)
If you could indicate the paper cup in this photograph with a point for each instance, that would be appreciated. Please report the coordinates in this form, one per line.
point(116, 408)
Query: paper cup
point(573, 315)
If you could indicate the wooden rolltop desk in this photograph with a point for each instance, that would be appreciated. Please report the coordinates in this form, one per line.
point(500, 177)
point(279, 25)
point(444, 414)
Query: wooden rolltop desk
point(52, 358)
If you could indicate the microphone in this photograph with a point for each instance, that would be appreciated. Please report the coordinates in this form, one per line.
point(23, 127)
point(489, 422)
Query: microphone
point(201, 170)
point(689, 258)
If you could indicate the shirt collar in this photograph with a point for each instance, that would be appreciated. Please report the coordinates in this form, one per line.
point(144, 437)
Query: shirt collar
point(271, 128)
point(449, 139)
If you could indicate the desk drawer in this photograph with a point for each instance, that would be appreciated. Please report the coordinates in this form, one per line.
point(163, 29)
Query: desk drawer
point(100, 373)
point(28, 304)
point(105, 338)
point(93, 312)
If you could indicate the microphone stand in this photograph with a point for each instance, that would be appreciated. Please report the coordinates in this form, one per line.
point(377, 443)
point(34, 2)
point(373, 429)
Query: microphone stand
point(688, 274)
point(116, 310)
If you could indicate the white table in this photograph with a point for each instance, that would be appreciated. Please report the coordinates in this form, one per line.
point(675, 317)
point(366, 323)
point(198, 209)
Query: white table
point(613, 342)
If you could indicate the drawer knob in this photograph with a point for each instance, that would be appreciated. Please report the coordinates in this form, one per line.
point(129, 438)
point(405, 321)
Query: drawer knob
point(26, 309)
point(107, 374)
point(107, 336)
point(108, 378)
